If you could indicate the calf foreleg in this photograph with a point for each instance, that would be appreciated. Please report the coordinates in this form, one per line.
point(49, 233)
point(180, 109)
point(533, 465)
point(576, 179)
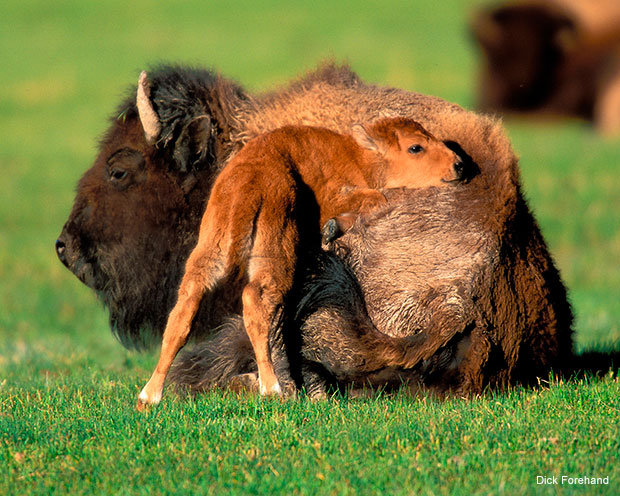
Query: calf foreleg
point(359, 202)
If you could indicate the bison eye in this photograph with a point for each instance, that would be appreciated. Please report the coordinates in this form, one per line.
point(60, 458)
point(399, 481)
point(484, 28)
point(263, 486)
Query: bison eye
point(413, 149)
point(123, 167)
point(118, 174)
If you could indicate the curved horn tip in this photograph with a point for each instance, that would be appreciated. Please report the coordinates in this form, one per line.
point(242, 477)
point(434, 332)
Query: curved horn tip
point(148, 117)
point(143, 79)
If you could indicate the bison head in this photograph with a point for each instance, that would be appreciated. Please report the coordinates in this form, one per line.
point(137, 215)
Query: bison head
point(137, 209)
point(522, 47)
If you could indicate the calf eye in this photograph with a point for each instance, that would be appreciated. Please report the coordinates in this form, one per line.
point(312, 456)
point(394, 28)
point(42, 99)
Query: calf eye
point(413, 149)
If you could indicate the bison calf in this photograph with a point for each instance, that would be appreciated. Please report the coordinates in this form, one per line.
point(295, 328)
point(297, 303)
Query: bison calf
point(270, 201)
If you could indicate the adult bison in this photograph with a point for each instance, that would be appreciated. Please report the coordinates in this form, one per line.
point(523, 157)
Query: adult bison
point(462, 280)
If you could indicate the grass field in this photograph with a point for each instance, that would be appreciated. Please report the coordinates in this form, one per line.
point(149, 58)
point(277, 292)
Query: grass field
point(67, 389)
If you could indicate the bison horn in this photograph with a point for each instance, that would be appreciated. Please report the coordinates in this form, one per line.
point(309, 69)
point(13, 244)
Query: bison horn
point(148, 117)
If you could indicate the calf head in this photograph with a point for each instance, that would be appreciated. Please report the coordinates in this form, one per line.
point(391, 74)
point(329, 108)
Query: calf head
point(137, 209)
point(414, 157)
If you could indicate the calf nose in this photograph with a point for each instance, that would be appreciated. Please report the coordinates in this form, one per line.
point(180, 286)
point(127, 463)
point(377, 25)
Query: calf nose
point(459, 170)
point(60, 251)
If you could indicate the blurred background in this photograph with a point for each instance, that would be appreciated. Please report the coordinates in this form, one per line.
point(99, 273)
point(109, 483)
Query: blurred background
point(66, 64)
point(551, 58)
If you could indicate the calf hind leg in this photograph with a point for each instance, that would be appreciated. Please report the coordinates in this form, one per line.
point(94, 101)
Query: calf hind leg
point(262, 300)
point(175, 335)
point(179, 323)
point(270, 272)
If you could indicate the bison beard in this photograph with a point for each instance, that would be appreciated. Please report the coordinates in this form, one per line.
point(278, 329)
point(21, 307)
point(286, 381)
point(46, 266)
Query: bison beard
point(465, 276)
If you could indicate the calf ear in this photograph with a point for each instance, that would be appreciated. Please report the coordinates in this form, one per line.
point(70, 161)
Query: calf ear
point(195, 144)
point(363, 139)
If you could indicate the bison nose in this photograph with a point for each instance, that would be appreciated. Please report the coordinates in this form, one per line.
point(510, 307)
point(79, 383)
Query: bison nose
point(459, 170)
point(60, 251)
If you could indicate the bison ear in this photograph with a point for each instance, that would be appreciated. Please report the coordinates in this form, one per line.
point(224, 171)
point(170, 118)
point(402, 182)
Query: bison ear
point(360, 134)
point(148, 116)
point(195, 143)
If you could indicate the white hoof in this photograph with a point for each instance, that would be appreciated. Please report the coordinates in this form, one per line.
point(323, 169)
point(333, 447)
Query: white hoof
point(274, 390)
point(147, 398)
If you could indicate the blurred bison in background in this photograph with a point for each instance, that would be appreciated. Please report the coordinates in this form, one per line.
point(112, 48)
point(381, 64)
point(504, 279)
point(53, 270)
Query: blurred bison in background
point(552, 56)
point(463, 280)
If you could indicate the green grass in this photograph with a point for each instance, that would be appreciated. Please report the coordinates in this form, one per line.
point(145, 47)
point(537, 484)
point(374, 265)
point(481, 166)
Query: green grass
point(75, 434)
point(67, 389)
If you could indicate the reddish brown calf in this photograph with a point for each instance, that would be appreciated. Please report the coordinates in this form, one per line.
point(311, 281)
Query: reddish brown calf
point(259, 210)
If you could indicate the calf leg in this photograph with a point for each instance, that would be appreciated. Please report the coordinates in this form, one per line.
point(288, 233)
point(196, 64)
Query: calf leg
point(336, 227)
point(175, 335)
point(261, 300)
point(202, 261)
point(359, 202)
point(270, 277)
